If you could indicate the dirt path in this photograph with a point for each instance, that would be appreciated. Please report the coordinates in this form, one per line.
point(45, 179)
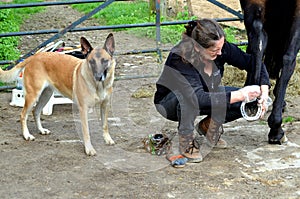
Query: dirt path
point(205, 9)
point(55, 166)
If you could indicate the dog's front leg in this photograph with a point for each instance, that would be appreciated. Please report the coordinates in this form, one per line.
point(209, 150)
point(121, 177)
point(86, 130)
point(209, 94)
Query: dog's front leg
point(104, 115)
point(89, 149)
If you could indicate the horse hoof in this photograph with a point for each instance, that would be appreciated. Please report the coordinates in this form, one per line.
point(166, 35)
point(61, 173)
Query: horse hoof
point(278, 140)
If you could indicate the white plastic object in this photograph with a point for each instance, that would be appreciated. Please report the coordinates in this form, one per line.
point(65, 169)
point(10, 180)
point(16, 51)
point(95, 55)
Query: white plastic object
point(56, 98)
point(17, 98)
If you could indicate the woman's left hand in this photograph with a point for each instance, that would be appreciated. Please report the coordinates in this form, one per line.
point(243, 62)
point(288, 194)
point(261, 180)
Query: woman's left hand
point(263, 99)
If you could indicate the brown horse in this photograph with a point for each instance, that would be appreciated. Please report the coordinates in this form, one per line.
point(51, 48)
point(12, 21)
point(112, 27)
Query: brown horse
point(273, 29)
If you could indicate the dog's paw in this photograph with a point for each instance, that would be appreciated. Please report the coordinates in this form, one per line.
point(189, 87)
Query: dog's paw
point(90, 151)
point(108, 140)
point(29, 137)
point(44, 131)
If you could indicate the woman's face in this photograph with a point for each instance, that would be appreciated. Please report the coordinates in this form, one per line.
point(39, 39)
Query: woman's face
point(212, 52)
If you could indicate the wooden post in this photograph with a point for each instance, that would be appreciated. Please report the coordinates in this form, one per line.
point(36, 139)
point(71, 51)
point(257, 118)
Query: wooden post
point(152, 8)
point(190, 9)
point(163, 7)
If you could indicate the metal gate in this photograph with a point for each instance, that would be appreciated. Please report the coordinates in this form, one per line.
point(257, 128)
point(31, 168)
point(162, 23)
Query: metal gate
point(72, 26)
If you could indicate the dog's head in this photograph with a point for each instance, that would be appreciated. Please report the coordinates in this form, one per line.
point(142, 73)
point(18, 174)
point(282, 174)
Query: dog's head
point(99, 59)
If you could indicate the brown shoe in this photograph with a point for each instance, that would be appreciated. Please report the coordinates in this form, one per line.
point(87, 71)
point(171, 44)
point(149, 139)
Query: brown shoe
point(189, 148)
point(212, 131)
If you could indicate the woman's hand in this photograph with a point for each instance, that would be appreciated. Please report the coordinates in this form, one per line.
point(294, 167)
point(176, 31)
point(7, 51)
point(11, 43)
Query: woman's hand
point(250, 93)
point(247, 94)
point(263, 99)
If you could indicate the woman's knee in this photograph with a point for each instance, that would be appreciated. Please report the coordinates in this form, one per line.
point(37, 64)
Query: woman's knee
point(165, 113)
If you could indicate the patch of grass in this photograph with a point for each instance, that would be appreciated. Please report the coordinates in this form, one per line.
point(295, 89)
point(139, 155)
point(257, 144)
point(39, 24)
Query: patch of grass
point(231, 33)
point(288, 119)
point(8, 44)
point(132, 12)
point(10, 21)
point(129, 12)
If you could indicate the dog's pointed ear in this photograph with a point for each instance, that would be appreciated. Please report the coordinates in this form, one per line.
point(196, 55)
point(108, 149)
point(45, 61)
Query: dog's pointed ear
point(86, 47)
point(109, 45)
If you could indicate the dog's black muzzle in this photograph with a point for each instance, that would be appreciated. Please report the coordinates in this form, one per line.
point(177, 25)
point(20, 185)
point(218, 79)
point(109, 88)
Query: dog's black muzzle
point(101, 76)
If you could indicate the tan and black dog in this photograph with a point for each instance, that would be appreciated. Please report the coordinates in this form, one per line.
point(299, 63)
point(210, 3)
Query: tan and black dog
point(87, 82)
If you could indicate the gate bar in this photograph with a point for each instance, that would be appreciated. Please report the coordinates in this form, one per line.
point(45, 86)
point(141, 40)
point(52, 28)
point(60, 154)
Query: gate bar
point(228, 9)
point(157, 24)
point(91, 28)
point(24, 5)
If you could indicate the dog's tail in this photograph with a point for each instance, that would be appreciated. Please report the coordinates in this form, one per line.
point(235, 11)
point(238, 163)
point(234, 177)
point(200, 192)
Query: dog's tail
point(12, 74)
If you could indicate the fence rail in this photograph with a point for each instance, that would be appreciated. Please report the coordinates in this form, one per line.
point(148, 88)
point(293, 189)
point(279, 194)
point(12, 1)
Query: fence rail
point(24, 5)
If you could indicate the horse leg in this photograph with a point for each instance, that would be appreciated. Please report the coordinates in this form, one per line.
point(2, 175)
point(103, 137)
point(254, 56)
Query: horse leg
point(276, 134)
point(257, 37)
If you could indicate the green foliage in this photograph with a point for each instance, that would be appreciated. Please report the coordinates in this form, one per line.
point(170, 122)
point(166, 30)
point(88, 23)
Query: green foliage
point(8, 44)
point(288, 119)
point(231, 33)
point(118, 12)
point(23, 13)
point(10, 21)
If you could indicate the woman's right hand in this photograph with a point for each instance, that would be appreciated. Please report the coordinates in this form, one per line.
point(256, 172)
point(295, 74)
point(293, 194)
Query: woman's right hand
point(247, 94)
point(250, 93)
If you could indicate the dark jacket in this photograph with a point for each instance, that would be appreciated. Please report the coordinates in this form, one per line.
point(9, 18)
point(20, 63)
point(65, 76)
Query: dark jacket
point(190, 82)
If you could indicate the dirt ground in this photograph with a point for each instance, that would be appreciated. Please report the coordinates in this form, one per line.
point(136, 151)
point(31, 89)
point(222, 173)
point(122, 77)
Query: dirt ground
point(55, 165)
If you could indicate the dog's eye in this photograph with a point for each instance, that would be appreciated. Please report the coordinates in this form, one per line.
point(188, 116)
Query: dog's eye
point(92, 62)
point(104, 61)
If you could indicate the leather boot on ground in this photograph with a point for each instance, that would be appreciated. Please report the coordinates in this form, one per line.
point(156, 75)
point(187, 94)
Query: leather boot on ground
point(212, 131)
point(189, 148)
